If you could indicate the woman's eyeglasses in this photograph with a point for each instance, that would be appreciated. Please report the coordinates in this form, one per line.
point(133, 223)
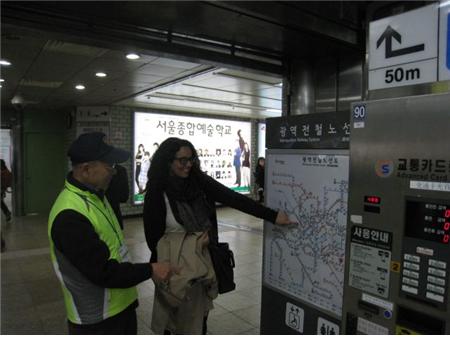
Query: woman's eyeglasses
point(185, 160)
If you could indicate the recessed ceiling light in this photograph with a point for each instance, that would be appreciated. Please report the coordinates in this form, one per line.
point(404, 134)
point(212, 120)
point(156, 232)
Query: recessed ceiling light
point(132, 56)
point(80, 87)
point(100, 74)
point(279, 84)
point(2, 80)
point(5, 63)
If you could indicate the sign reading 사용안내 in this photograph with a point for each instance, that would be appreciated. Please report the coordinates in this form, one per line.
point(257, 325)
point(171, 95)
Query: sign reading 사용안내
point(216, 142)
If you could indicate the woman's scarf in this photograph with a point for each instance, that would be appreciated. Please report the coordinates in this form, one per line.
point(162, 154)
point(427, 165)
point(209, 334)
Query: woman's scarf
point(189, 204)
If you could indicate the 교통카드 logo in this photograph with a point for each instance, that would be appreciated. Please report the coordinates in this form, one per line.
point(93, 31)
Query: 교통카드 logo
point(384, 168)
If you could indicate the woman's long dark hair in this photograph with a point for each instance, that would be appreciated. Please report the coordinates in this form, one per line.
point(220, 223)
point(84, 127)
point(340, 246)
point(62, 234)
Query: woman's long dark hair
point(162, 159)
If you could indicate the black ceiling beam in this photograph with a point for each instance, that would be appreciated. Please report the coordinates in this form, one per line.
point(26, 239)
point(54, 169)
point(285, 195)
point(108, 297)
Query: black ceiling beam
point(93, 29)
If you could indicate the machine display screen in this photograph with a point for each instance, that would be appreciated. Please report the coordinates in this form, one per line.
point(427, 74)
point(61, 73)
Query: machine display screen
point(428, 220)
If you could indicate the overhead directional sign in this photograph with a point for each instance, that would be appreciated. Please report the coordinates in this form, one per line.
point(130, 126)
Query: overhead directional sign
point(390, 34)
point(403, 49)
point(444, 41)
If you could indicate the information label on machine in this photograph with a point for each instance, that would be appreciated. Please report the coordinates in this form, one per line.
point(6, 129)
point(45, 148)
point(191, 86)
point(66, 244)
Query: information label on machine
point(377, 301)
point(369, 269)
point(434, 186)
point(367, 327)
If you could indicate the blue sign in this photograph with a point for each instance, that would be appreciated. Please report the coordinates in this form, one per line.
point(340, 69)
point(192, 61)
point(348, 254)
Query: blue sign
point(448, 40)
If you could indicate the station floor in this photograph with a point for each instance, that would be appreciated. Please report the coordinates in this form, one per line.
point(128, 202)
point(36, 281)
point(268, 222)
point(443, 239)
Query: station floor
point(31, 297)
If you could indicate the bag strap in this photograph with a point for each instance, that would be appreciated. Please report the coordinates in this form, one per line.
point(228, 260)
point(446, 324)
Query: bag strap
point(213, 232)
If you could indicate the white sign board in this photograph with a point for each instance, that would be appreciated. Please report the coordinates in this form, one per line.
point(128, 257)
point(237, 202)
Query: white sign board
point(403, 49)
point(307, 261)
point(325, 327)
point(95, 118)
point(444, 41)
point(295, 317)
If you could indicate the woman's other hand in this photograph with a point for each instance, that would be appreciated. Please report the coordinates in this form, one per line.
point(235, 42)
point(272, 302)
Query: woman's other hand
point(204, 239)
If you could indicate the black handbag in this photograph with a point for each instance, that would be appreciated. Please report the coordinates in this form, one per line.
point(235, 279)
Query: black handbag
point(223, 261)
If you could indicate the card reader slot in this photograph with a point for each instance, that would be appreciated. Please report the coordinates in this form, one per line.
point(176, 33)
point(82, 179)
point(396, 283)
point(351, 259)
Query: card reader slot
point(368, 307)
point(372, 208)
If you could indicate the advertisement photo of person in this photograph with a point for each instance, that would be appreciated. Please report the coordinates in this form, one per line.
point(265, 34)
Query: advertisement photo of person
point(155, 147)
point(245, 169)
point(237, 163)
point(142, 178)
point(137, 162)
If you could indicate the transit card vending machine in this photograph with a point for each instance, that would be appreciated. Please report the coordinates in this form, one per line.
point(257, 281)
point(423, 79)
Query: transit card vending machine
point(397, 244)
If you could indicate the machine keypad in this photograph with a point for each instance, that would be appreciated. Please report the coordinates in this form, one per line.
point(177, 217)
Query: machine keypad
point(409, 273)
point(435, 280)
point(410, 281)
point(411, 266)
point(437, 264)
point(409, 289)
point(437, 272)
point(412, 258)
point(435, 297)
point(436, 289)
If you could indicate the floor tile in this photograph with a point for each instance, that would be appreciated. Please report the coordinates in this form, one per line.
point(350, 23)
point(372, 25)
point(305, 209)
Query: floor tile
point(227, 323)
point(254, 331)
point(234, 301)
point(250, 314)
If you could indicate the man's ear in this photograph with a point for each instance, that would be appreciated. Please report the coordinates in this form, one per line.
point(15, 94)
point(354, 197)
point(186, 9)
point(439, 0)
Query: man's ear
point(84, 169)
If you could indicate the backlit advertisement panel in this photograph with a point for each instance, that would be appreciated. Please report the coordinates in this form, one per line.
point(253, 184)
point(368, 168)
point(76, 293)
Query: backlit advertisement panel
point(223, 147)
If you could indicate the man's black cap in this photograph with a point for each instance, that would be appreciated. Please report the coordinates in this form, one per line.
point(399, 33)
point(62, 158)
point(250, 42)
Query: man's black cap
point(91, 147)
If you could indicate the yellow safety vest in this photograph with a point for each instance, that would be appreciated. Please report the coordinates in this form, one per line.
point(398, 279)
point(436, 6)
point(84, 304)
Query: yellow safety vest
point(87, 303)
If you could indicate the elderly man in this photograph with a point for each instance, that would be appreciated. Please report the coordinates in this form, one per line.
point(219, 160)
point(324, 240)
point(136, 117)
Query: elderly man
point(88, 249)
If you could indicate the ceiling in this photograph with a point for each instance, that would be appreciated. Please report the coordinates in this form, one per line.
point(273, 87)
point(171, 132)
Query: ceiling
point(196, 56)
point(220, 90)
point(44, 72)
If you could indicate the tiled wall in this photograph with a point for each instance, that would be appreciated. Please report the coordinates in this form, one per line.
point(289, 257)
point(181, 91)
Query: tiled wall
point(121, 135)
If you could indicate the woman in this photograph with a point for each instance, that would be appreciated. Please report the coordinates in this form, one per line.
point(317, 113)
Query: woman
point(138, 161)
point(259, 178)
point(181, 198)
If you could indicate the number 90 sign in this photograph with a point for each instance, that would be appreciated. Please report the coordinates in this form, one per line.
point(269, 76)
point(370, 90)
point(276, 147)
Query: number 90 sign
point(359, 112)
